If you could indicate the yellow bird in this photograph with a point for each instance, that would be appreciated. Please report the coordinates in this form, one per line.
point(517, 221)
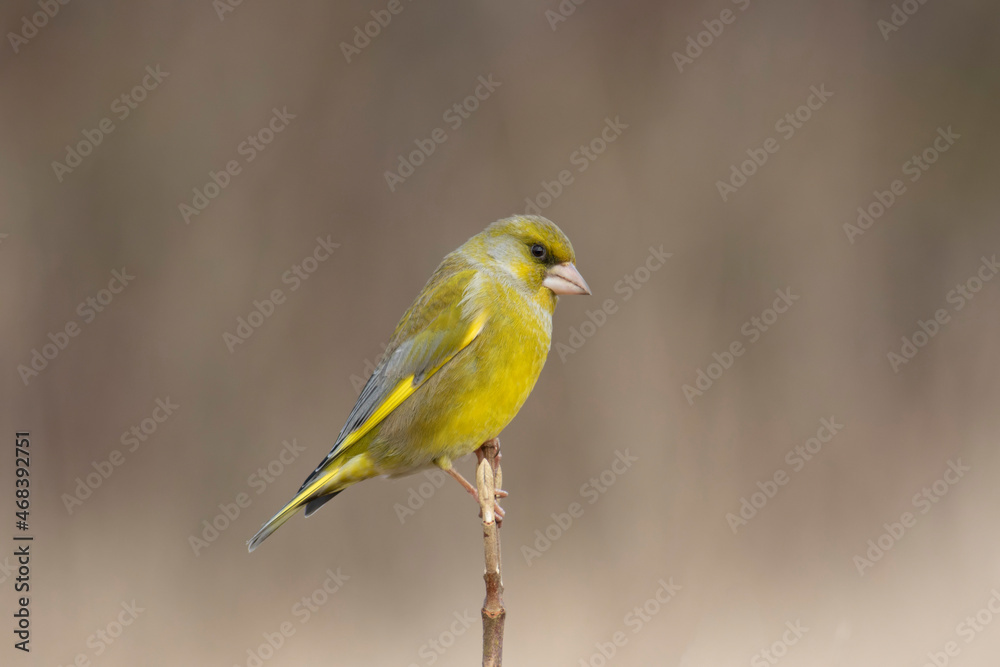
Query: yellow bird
point(459, 366)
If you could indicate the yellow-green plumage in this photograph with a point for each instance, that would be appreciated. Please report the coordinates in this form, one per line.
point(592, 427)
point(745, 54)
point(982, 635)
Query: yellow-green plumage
point(459, 365)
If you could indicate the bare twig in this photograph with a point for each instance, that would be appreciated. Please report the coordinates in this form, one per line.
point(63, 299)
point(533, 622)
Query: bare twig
point(488, 482)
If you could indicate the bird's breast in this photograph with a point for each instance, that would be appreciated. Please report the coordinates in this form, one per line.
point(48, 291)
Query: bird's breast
point(496, 372)
point(476, 394)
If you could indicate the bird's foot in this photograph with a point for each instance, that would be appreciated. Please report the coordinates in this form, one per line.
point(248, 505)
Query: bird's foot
point(490, 450)
point(500, 493)
point(485, 451)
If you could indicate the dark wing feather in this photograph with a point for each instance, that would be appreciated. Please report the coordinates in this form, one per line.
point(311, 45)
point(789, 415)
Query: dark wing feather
point(430, 333)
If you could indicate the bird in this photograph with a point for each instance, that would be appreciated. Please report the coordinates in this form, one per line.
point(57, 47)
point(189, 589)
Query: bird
point(460, 364)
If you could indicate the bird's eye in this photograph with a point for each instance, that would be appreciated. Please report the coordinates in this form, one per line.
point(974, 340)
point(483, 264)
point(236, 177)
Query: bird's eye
point(538, 251)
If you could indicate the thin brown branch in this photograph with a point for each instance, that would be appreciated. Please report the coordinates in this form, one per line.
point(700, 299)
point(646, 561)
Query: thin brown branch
point(488, 482)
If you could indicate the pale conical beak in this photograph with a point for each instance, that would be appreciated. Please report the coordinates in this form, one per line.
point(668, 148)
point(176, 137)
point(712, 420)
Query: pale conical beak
point(565, 279)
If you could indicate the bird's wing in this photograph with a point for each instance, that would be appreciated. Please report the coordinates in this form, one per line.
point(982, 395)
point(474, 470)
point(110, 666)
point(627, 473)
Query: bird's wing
point(436, 327)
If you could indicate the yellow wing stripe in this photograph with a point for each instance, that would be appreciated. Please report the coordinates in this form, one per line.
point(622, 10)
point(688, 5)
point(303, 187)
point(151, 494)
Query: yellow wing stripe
point(405, 388)
point(360, 466)
point(474, 330)
point(400, 393)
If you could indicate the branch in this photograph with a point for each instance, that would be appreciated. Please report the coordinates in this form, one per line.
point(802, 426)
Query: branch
point(488, 481)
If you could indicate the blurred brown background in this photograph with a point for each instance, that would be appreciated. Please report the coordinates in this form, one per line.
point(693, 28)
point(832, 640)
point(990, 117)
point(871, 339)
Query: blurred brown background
point(324, 176)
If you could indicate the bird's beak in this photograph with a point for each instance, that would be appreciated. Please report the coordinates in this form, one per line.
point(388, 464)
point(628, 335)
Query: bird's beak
point(565, 279)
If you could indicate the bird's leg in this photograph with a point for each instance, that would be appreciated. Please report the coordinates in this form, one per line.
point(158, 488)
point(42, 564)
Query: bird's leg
point(494, 462)
point(464, 482)
point(457, 476)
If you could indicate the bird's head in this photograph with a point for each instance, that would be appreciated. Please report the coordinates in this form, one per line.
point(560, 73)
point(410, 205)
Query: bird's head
point(536, 254)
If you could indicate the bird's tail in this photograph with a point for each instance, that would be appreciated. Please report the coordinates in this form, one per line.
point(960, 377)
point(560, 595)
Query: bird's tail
point(326, 485)
point(278, 520)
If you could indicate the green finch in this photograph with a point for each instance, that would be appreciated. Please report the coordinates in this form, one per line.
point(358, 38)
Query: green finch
point(459, 366)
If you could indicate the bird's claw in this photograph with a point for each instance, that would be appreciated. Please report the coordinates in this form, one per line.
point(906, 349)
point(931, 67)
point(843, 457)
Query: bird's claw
point(499, 493)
